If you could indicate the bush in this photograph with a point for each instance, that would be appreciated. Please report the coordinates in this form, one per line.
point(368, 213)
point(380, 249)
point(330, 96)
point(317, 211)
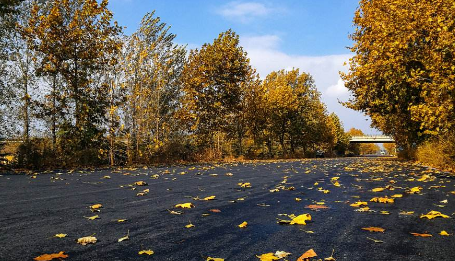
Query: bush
point(438, 152)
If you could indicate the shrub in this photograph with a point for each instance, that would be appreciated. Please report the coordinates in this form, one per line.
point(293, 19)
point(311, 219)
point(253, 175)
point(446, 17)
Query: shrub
point(438, 152)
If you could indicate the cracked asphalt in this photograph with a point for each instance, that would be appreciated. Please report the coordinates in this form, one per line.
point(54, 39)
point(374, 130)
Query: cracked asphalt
point(36, 207)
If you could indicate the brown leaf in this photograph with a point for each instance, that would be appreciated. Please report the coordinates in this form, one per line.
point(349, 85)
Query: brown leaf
point(374, 229)
point(316, 207)
point(47, 257)
point(421, 235)
point(307, 255)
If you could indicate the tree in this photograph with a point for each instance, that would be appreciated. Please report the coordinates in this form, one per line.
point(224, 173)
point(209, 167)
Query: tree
point(215, 79)
point(153, 78)
point(402, 74)
point(391, 148)
point(76, 39)
point(342, 139)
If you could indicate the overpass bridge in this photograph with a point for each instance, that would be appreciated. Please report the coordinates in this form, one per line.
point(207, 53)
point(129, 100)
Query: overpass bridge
point(372, 139)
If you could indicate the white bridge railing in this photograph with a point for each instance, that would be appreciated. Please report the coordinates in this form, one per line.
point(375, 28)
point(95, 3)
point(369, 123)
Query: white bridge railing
point(372, 139)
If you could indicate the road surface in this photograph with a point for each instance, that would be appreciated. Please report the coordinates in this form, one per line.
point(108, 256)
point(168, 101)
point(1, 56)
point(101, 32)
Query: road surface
point(34, 208)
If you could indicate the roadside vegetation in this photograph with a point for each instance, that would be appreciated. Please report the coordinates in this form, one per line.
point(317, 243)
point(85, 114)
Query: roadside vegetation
point(76, 91)
point(403, 75)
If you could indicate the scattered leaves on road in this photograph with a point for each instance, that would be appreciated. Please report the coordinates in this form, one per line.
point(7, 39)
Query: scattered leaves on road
point(47, 257)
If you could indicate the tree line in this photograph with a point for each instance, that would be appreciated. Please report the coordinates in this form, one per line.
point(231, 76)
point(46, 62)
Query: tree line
point(77, 91)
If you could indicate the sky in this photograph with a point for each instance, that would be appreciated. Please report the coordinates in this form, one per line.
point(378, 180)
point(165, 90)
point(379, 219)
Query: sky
point(311, 35)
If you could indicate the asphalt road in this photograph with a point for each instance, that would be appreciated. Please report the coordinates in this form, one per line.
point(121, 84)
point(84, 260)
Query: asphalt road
point(33, 210)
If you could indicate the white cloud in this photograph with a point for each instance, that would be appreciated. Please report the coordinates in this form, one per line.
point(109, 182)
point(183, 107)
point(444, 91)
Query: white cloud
point(244, 11)
point(337, 90)
point(266, 57)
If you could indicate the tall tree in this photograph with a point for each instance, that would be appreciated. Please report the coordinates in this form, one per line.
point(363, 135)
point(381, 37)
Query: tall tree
point(76, 39)
point(215, 79)
point(153, 68)
point(402, 74)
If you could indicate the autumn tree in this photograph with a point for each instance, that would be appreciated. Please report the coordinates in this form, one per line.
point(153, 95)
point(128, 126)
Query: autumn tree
point(342, 139)
point(391, 148)
point(153, 68)
point(215, 79)
point(76, 39)
point(402, 74)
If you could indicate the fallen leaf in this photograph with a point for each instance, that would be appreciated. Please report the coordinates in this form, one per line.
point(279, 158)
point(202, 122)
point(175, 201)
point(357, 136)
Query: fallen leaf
point(374, 229)
point(375, 240)
point(146, 252)
point(214, 210)
point(378, 189)
point(384, 200)
point(214, 259)
point(406, 213)
point(209, 198)
point(93, 217)
point(140, 183)
point(281, 254)
point(243, 225)
point(301, 219)
point(316, 207)
point(397, 196)
point(421, 235)
point(359, 203)
point(175, 212)
point(245, 185)
point(268, 257)
point(47, 257)
point(87, 240)
point(60, 235)
point(121, 220)
point(415, 190)
point(433, 214)
point(308, 254)
point(125, 237)
point(298, 199)
point(95, 207)
point(185, 205)
point(190, 225)
point(106, 177)
point(444, 233)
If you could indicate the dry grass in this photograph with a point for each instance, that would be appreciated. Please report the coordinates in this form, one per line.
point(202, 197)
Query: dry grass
point(438, 152)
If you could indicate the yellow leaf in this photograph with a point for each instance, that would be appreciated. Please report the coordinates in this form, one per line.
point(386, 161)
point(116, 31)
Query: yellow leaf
point(433, 214)
point(140, 183)
point(243, 225)
point(374, 229)
point(95, 207)
point(397, 196)
point(121, 220)
point(185, 205)
point(359, 203)
point(444, 233)
point(378, 189)
point(209, 198)
point(245, 185)
point(106, 177)
point(190, 225)
point(268, 257)
point(146, 252)
point(415, 190)
point(87, 240)
point(298, 199)
point(93, 217)
point(125, 237)
point(301, 219)
point(60, 235)
point(47, 257)
point(382, 200)
point(214, 259)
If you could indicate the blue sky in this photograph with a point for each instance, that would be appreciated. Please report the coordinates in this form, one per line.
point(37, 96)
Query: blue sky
point(308, 34)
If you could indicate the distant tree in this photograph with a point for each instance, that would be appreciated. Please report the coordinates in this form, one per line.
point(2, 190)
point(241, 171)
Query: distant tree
point(391, 148)
point(361, 148)
point(342, 139)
